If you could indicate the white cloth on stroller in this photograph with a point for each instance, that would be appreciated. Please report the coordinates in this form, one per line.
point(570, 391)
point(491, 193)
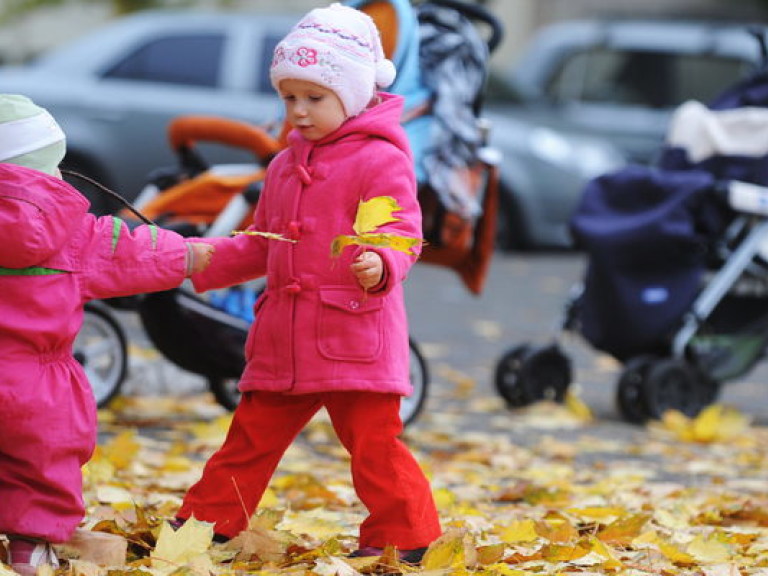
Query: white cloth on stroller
point(704, 133)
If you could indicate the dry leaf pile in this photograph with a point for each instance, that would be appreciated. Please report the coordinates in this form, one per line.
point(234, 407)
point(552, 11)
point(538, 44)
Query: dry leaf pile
point(679, 497)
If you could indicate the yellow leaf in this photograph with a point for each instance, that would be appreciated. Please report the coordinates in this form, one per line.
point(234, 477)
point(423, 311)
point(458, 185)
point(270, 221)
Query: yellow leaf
point(558, 553)
point(715, 423)
point(623, 531)
point(521, 531)
point(445, 552)
point(383, 240)
point(374, 213)
point(179, 547)
point(577, 407)
point(607, 555)
point(709, 550)
point(674, 554)
point(267, 235)
point(444, 498)
point(490, 554)
point(122, 449)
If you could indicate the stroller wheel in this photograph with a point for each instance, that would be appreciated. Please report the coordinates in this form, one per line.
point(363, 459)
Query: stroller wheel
point(630, 391)
point(672, 384)
point(411, 406)
point(525, 375)
point(101, 350)
point(225, 391)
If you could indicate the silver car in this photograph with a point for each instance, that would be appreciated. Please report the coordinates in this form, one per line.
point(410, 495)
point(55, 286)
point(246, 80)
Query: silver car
point(588, 96)
point(115, 90)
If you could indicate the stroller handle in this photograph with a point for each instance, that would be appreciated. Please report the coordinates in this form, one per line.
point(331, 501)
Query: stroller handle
point(185, 131)
point(744, 196)
point(478, 13)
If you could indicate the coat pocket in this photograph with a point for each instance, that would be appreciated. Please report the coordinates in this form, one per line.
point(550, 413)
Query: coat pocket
point(349, 325)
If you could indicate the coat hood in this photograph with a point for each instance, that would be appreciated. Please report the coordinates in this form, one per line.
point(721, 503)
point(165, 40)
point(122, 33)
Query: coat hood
point(38, 214)
point(380, 121)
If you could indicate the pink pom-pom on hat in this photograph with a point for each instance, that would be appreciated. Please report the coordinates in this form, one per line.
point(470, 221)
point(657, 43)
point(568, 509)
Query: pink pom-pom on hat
point(337, 47)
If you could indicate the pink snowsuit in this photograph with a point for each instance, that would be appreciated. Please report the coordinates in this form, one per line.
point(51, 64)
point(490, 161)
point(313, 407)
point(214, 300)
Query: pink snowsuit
point(55, 256)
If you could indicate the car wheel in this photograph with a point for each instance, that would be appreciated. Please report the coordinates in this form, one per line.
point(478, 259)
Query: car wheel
point(511, 232)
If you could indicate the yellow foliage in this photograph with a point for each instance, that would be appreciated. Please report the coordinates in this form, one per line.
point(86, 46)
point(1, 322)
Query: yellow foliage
point(370, 215)
point(577, 407)
point(709, 549)
point(622, 531)
point(447, 552)
point(122, 449)
point(521, 531)
point(393, 241)
point(715, 423)
point(177, 548)
point(374, 213)
point(267, 235)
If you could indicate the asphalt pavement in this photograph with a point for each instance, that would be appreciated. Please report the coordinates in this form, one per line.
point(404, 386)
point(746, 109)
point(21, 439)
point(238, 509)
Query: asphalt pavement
point(462, 337)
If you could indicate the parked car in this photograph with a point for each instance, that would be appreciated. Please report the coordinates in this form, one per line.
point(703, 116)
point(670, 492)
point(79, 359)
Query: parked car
point(587, 96)
point(580, 101)
point(114, 90)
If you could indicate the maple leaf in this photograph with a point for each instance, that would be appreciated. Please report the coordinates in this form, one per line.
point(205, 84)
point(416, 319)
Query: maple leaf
point(453, 550)
point(374, 213)
point(622, 531)
point(383, 240)
point(259, 542)
point(521, 531)
point(180, 547)
point(267, 235)
point(716, 423)
point(371, 214)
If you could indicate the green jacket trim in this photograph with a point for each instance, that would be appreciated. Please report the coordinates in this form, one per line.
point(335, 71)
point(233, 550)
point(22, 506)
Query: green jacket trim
point(31, 271)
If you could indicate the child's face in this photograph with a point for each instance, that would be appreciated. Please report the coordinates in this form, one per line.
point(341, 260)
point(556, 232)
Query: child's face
point(313, 110)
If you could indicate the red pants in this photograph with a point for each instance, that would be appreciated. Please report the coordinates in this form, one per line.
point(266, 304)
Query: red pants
point(385, 474)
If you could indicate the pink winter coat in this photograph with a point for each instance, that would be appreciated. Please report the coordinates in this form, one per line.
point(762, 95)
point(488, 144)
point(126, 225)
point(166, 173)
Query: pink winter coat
point(316, 329)
point(54, 256)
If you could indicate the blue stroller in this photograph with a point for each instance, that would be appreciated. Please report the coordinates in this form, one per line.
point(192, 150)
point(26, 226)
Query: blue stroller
point(441, 59)
point(676, 286)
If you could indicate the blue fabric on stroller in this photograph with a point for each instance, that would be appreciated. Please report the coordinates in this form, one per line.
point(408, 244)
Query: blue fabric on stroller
point(647, 233)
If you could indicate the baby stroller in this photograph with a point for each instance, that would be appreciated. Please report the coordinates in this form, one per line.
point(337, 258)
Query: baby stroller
point(456, 171)
point(676, 287)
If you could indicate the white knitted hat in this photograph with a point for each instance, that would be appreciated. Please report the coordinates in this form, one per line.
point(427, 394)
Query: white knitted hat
point(29, 136)
point(337, 47)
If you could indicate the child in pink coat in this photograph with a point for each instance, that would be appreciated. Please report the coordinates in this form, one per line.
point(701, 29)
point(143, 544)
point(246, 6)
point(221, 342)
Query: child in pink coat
point(329, 333)
point(54, 257)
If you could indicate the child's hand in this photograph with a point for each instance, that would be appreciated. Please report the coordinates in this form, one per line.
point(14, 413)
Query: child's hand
point(368, 268)
point(199, 257)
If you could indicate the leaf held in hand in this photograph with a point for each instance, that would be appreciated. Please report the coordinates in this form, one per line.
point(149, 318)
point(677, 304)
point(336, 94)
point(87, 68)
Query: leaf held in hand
point(374, 213)
point(370, 215)
point(267, 235)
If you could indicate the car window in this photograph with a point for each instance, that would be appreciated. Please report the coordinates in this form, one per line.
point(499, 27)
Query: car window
point(268, 43)
point(643, 78)
point(190, 59)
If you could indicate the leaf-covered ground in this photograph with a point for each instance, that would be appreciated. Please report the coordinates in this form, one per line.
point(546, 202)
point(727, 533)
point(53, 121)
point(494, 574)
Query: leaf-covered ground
point(536, 491)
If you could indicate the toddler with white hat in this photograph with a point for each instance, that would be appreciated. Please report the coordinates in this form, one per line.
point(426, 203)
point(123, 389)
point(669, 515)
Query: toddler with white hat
point(331, 332)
